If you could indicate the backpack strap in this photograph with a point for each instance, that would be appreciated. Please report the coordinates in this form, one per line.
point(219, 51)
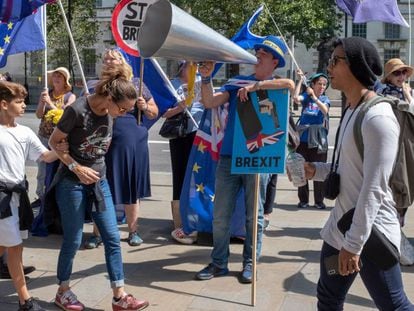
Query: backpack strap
point(360, 117)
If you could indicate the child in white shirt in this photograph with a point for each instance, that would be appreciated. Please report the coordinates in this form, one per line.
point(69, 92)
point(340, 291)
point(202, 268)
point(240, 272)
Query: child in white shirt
point(17, 143)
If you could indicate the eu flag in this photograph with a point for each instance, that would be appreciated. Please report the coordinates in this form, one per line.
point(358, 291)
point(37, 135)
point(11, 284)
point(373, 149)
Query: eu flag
point(15, 10)
point(197, 196)
point(22, 36)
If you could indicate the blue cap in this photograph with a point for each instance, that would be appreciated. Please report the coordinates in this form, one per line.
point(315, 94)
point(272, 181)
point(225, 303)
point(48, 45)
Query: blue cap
point(275, 46)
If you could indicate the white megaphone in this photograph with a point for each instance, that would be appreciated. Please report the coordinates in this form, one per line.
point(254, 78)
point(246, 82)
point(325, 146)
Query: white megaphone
point(168, 31)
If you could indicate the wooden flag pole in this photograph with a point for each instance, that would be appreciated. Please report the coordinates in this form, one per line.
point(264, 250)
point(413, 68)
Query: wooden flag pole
point(72, 41)
point(254, 238)
point(141, 85)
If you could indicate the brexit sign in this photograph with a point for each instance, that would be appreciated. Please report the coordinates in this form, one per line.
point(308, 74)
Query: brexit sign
point(126, 21)
point(261, 133)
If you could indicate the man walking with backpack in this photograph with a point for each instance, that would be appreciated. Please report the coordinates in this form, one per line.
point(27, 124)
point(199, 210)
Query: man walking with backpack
point(362, 233)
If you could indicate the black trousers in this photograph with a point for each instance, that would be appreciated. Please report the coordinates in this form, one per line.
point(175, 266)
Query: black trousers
point(180, 149)
point(311, 155)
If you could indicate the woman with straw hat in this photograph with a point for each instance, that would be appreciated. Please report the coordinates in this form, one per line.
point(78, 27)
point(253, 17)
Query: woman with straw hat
point(396, 74)
point(51, 104)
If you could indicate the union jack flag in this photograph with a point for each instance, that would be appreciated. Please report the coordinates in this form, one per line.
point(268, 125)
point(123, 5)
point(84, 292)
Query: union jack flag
point(261, 140)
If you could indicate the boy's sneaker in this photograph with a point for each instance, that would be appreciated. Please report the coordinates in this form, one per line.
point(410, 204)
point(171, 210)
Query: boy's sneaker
point(93, 242)
point(134, 239)
point(68, 301)
point(30, 304)
point(130, 303)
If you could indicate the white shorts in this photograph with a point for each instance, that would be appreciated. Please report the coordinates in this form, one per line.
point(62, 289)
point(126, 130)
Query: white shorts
point(10, 234)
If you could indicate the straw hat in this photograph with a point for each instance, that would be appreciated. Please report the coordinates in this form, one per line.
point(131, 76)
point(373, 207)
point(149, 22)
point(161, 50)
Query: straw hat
point(64, 72)
point(395, 64)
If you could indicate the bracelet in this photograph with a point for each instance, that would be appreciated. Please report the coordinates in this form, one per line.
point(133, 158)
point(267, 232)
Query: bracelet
point(257, 85)
point(206, 80)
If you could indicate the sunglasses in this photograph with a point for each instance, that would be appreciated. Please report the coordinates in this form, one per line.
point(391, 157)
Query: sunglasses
point(120, 109)
point(398, 73)
point(334, 60)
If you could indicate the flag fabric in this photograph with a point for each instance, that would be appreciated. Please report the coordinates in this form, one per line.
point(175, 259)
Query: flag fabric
point(157, 82)
point(197, 195)
point(15, 10)
point(244, 37)
point(22, 36)
point(363, 11)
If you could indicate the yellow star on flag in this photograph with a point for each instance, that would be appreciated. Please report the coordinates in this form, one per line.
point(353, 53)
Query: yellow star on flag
point(201, 147)
point(7, 39)
point(200, 188)
point(1, 51)
point(196, 167)
point(10, 25)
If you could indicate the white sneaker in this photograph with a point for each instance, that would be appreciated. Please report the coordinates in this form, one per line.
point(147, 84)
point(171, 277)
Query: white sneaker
point(179, 235)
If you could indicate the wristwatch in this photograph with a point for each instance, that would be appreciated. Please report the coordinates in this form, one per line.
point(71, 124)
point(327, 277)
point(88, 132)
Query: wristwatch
point(72, 165)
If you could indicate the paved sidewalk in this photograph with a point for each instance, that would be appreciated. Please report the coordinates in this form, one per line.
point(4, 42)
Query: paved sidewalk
point(163, 272)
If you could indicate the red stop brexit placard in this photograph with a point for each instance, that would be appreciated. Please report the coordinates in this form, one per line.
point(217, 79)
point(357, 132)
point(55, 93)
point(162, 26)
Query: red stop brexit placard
point(126, 21)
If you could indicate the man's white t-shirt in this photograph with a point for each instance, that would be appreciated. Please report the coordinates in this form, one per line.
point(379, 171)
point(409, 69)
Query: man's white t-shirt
point(17, 144)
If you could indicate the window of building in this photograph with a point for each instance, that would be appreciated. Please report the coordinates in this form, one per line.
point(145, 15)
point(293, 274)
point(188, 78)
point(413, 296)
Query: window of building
point(89, 62)
point(98, 3)
point(391, 53)
point(392, 31)
point(359, 30)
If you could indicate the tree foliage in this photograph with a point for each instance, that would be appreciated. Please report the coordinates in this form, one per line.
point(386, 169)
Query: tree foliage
point(308, 20)
point(84, 27)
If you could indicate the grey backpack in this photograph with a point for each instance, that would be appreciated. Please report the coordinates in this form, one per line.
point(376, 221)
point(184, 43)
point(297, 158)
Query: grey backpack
point(402, 176)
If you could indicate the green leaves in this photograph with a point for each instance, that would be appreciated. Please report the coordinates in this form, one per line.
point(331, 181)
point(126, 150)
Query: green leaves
point(308, 20)
point(85, 29)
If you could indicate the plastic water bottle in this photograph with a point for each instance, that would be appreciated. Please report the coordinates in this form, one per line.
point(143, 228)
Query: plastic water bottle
point(295, 163)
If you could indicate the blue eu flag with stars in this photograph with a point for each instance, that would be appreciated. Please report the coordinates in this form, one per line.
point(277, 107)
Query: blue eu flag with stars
point(23, 36)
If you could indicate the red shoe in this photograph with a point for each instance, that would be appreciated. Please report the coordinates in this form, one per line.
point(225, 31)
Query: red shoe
point(129, 303)
point(68, 301)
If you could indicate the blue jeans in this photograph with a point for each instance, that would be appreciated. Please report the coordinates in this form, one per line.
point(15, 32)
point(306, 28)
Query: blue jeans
point(227, 188)
point(72, 199)
point(384, 286)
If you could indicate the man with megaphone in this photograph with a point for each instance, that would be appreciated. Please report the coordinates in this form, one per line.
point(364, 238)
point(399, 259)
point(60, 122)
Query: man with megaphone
point(270, 55)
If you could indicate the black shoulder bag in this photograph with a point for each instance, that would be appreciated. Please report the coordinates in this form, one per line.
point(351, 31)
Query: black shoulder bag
point(174, 127)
